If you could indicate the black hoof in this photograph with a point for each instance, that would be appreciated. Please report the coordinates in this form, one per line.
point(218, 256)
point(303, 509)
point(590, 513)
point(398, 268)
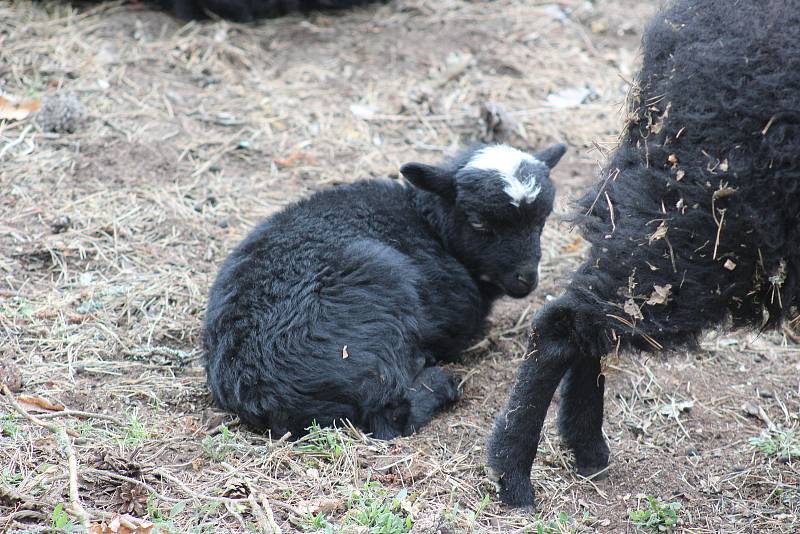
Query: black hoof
point(595, 472)
point(592, 460)
point(513, 487)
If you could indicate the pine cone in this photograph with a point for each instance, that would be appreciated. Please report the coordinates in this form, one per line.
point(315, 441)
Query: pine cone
point(9, 374)
point(108, 461)
point(236, 489)
point(61, 113)
point(131, 499)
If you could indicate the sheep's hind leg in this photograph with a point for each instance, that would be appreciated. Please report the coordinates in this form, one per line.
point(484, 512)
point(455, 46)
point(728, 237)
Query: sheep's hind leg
point(433, 389)
point(517, 430)
point(580, 417)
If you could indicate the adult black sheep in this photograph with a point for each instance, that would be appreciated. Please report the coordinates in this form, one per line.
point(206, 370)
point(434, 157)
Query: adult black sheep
point(696, 220)
point(250, 10)
point(339, 306)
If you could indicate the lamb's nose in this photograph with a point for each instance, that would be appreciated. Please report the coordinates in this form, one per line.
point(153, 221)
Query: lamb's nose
point(527, 278)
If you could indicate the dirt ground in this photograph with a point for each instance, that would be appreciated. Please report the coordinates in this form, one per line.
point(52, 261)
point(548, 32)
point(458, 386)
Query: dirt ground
point(111, 235)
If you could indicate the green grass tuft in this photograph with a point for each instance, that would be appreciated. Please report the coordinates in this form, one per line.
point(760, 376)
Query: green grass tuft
point(218, 447)
point(781, 443)
point(371, 507)
point(8, 426)
point(324, 442)
point(656, 516)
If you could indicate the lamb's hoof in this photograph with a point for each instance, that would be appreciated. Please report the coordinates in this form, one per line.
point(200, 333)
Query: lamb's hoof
point(513, 487)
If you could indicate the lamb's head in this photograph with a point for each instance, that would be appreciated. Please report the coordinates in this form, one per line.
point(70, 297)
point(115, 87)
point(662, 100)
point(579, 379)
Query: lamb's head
point(493, 203)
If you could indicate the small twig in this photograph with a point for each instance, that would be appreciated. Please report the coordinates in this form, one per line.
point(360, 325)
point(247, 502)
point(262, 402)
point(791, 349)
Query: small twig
point(233, 423)
point(719, 231)
point(671, 254)
point(22, 514)
point(67, 450)
point(791, 334)
point(260, 515)
point(270, 516)
point(231, 508)
point(145, 485)
point(472, 372)
point(195, 495)
point(611, 176)
point(10, 494)
point(79, 413)
point(263, 514)
point(611, 212)
point(494, 337)
point(36, 420)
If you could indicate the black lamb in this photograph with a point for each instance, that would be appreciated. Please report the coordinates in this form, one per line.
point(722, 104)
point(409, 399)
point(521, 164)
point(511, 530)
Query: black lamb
point(695, 221)
point(339, 307)
point(250, 10)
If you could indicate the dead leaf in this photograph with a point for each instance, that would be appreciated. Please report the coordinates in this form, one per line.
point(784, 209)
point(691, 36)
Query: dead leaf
point(455, 65)
point(757, 411)
point(660, 295)
point(632, 309)
point(599, 26)
point(363, 112)
point(16, 111)
point(345, 354)
point(411, 506)
point(312, 473)
point(674, 409)
point(122, 524)
point(320, 505)
point(660, 233)
point(679, 175)
point(293, 158)
point(729, 264)
point(570, 98)
point(672, 159)
point(35, 403)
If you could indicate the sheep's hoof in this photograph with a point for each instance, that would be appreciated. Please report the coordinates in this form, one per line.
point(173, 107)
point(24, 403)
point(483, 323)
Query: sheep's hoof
point(595, 472)
point(513, 487)
point(592, 461)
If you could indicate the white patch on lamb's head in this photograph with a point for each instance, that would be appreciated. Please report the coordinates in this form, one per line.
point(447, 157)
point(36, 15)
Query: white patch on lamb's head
point(506, 161)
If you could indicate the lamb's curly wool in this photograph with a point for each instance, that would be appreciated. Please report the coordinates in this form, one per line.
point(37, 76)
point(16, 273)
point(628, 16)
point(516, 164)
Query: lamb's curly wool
point(695, 219)
point(249, 10)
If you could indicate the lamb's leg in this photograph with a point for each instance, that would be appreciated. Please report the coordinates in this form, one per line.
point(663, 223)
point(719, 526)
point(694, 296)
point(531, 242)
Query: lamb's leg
point(433, 389)
point(580, 417)
point(512, 448)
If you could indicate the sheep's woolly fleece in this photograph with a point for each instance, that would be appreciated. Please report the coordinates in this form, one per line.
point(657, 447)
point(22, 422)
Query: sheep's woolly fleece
point(700, 201)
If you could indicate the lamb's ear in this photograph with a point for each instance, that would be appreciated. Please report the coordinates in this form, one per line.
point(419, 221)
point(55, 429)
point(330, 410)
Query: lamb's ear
point(551, 155)
point(430, 178)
